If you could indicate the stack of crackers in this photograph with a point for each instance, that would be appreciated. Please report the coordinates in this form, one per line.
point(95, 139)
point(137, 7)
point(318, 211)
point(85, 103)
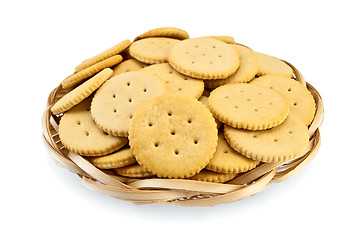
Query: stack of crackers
point(170, 106)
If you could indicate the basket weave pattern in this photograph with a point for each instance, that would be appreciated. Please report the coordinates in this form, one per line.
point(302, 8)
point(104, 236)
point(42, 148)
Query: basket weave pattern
point(178, 191)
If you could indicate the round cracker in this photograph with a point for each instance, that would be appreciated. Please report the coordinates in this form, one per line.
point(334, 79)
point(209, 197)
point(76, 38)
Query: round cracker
point(120, 158)
point(104, 55)
point(116, 101)
point(173, 136)
point(268, 65)
point(281, 143)
point(210, 176)
point(175, 81)
point(79, 133)
point(129, 65)
point(135, 170)
point(227, 160)
point(246, 71)
point(247, 106)
point(169, 32)
point(80, 76)
point(301, 100)
point(81, 92)
point(204, 58)
point(152, 50)
point(226, 39)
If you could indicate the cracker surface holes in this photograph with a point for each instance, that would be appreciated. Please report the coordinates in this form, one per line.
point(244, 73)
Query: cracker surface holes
point(131, 89)
point(188, 57)
point(248, 109)
point(189, 136)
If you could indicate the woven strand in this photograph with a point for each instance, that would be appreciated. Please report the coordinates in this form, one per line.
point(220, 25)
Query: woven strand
point(178, 191)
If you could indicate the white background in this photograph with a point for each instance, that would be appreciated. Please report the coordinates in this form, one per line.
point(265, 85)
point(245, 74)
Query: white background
point(42, 42)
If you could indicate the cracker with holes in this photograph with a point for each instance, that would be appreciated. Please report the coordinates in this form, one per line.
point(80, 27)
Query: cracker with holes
point(268, 65)
point(204, 58)
point(284, 142)
point(175, 81)
point(79, 133)
point(120, 158)
point(227, 160)
point(173, 136)
point(152, 50)
point(246, 71)
point(301, 100)
point(81, 92)
point(116, 101)
point(129, 65)
point(251, 107)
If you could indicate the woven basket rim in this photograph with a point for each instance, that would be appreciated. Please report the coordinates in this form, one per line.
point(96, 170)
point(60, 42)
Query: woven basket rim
point(181, 192)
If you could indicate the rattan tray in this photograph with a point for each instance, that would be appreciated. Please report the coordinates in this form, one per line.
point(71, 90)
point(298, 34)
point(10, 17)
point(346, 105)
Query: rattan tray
point(178, 191)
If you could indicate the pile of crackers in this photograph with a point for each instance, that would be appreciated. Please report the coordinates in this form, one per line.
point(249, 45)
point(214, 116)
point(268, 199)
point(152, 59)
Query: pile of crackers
point(170, 106)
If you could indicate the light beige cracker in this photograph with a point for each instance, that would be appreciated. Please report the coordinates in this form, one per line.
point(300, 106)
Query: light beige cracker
point(210, 176)
point(120, 158)
point(117, 49)
point(227, 160)
point(284, 142)
point(204, 100)
point(226, 39)
point(135, 171)
point(247, 106)
point(246, 71)
point(268, 65)
point(173, 136)
point(204, 58)
point(116, 101)
point(175, 81)
point(129, 65)
point(79, 133)
point(79, 77)
point(301, 101)
point(152, 50)
point(169, 32)
point(81, 92)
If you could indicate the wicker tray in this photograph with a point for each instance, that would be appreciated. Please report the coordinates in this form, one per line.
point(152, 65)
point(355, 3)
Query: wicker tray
point(178, 191)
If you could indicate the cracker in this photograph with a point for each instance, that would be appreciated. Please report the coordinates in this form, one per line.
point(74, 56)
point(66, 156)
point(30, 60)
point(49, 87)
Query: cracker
point(268, 65)
point(204, 100)
point(301, 100)
point(246, 71)
point(81, 92)
point(247, 106)
point(173, 136)
point(79, 77)
point(152, 50)
point(210, 176)
point(169, 32)
point(116, 101)
point(226, 39)
point(227, 160)
point(79, 133)
point(284, 142)
point(204, 58)
point(175, 81)
point(129, 65)
point(135, 170)
point(104, 55)
point(120, 158)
